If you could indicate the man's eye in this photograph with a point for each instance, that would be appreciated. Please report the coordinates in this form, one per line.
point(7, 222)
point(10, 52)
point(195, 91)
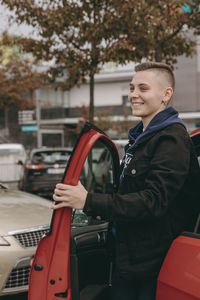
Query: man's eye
point(143, 89)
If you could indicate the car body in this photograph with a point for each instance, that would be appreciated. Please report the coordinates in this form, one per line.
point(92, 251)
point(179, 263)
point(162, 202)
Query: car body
point(74, 261)
point(24, 219)
point(44, 169)
point(12, 159)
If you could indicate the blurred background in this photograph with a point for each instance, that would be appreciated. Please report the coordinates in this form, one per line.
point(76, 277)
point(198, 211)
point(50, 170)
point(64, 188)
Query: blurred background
point(58, 73)
point(63, 63)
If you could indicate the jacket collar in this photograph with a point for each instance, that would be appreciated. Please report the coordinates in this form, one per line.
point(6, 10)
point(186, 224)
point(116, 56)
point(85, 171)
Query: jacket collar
point(160, 121)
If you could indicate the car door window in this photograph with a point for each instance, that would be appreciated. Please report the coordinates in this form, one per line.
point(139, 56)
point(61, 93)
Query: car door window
point(97, 177)
point(195, 136)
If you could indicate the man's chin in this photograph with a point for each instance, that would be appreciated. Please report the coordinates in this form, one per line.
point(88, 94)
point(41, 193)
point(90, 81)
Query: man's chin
point(138, 114)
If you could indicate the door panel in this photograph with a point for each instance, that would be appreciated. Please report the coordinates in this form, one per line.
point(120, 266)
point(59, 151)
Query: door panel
point(50, 276)
point(179, 278)
point(90, 262)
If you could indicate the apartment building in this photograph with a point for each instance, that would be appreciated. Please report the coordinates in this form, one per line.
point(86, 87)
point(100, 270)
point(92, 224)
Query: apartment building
point(58, 112)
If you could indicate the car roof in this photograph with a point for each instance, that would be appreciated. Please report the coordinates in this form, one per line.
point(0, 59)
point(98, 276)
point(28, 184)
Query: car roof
point(43, 149)
point(195, 132)
point(11, 146)
point(121, 142)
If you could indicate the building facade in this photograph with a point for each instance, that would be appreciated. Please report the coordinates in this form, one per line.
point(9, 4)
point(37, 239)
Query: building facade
point(58, 112)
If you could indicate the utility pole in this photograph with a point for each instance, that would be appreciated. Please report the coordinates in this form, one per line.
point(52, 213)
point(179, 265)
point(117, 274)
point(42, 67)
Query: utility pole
point(38, 118)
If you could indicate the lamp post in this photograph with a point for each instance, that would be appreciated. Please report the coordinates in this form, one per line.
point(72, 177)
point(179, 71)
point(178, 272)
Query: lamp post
point(38, 118)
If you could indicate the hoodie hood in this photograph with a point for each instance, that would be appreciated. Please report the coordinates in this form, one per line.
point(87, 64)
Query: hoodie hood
point(160, 121)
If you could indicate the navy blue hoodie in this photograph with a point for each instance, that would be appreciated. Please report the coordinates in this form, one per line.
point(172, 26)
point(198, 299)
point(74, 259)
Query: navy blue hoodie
point(160, 121)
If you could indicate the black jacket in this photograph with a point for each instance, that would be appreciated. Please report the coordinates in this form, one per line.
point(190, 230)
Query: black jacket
point(155, 203)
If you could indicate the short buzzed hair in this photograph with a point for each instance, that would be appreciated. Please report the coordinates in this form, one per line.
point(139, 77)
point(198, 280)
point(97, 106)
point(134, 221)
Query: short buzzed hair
point(160, 67)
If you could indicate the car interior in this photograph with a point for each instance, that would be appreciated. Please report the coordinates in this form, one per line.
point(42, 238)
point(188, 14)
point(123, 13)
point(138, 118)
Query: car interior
point(89, 248)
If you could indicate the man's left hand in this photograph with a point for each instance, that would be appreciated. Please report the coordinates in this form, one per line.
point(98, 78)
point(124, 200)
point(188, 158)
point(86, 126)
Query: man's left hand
point(69, 196)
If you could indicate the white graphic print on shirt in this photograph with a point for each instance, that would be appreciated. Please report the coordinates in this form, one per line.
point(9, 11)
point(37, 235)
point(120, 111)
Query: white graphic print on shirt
point(127, 160)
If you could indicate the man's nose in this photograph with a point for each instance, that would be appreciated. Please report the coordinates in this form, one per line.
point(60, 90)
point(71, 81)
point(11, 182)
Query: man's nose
point(133, 94)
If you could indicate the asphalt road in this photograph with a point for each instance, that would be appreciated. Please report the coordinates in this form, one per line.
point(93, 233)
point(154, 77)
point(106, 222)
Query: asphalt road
point(22, 296)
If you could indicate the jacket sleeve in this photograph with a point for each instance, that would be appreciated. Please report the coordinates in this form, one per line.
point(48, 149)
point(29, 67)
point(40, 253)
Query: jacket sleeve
point(169, 168)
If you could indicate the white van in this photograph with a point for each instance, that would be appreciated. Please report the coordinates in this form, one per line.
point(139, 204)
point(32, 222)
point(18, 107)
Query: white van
point(12, 159)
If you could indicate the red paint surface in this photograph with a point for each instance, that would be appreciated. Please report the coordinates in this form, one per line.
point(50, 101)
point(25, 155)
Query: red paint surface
point(179, 278)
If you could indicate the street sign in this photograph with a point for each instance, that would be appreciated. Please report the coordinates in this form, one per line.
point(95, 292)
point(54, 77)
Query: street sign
point(29, 128)
point(26, 116)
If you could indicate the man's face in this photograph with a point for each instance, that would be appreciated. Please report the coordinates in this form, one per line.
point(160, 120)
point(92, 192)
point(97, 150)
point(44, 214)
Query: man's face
point(147, 92)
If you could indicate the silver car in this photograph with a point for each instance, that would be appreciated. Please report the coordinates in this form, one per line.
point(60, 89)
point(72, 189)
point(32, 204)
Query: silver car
point(24, 220)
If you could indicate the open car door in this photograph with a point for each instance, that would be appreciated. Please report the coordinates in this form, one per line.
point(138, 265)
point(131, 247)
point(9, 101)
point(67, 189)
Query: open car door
point(95, 162)
point(179, 277)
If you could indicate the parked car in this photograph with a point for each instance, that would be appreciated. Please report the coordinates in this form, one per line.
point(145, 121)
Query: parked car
point(24, 219)
point(76, 264)
point(12, 159)
point(44, 169)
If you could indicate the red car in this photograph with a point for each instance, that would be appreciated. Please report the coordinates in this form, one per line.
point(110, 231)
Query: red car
point(74, 260)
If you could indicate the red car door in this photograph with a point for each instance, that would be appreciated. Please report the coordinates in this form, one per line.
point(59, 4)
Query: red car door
point(95, 162)
point(179, 278)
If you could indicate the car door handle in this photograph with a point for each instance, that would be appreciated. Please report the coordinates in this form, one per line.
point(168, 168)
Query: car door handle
point(91, 239)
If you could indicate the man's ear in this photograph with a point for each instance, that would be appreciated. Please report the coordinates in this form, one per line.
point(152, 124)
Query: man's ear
point(168, 94)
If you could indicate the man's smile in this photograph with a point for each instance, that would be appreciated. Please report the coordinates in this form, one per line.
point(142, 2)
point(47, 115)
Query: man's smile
point(137, 103)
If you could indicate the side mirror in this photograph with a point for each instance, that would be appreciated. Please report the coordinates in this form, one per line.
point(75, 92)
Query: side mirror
point(20, 163)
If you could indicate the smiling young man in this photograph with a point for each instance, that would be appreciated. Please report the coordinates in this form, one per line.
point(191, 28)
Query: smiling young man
point(150, 91)
point(156, 199)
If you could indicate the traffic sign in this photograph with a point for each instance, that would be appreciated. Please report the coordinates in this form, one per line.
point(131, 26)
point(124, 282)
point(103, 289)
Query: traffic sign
point(29, 128)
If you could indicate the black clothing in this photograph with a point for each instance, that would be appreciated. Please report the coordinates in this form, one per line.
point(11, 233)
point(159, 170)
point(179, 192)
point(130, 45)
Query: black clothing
point(122, 289)
point(156, 201)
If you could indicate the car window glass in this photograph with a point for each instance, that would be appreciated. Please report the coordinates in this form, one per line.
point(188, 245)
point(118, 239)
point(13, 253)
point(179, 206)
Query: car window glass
point(10, 151)
point(197, 225)
point(196, 142)
point(97, 177)
point(120, 144)
point(51, 157)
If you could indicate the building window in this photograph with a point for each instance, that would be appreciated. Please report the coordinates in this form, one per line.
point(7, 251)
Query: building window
point(125, 101)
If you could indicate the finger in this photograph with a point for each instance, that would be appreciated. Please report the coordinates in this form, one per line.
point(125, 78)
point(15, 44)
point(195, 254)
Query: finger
point(63, 192)
point(59, 192)
point(59, 198)
point(31, 262)
point(56, 192)
point(63, 186)
point(59, 205)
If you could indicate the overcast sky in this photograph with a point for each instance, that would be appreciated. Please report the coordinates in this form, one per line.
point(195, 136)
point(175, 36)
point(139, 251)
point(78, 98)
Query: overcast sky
point(14, 28)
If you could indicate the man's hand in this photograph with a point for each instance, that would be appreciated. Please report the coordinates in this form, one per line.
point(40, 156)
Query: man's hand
point(69, 196)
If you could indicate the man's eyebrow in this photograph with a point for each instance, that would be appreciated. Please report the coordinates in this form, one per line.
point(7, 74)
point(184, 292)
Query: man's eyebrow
point(143, 83)
point(140, 84)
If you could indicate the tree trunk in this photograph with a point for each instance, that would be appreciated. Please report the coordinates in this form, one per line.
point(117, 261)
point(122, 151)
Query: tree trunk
point(158, 54)
point(91, 107)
